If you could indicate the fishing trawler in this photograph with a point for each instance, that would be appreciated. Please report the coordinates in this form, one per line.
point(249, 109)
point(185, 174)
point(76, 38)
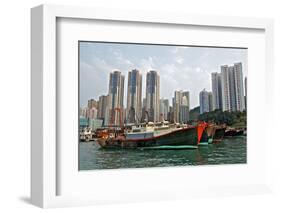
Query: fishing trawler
point(162, 135)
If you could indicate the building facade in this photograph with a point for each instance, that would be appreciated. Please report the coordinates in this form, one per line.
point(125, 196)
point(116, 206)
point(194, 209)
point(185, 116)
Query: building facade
point(239, 87)
point(134, 96)
point(204, 101)
point(102, 108)
point(92, 103)
point(181, 105)
point(232, 88)
point(116, 97)
point(153, 96)
point(217, 90)
point(211, 101)
point(164, 108)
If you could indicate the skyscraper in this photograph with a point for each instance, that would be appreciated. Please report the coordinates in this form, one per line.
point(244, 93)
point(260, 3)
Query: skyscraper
point(115, 96)
point(181, 105)
point(92, 103)
point(102, 108)
point(153, 95)
point(134, 96)
point(164, 108)
point(232, 88)
point(217, 90)
point(211, 102)
point(184, 108)
point(176, 105)
point(225, 88)
point(232, 93)
point(204, 101)
point(239, 87)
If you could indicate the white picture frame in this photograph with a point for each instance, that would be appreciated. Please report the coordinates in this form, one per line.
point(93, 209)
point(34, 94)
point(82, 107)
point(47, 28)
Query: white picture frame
point(45, 169)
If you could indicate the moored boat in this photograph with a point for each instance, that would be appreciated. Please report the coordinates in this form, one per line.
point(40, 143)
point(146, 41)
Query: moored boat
point(230, 132)
point(219, 133)
point(212, 134)
point(155, 136)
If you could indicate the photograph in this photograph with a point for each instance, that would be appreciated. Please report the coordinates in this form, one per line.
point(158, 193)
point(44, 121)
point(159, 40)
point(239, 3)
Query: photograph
point(161, 105)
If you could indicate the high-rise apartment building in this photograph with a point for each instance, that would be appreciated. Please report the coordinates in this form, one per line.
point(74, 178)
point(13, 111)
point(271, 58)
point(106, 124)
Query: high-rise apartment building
point(204, 101)
point(225, 88)
point(217, 90)
point(211, 102)
point(153, 96)
point(115, 97)
point(239, 87)
point(134, 96)
point(92, 103)
point(102, 108)
point(164, 108)
point(232, 88)
point(181, 104)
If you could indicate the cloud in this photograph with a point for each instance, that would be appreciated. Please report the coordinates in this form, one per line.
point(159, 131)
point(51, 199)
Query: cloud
point(179, 60)
point(180, 67)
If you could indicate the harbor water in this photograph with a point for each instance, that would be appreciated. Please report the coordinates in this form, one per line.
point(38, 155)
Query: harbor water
point(231, 150)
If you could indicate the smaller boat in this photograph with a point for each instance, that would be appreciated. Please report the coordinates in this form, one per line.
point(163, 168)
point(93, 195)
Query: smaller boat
point(86, 134)
point(219, 133)
point(231, 132)
point(212, 134)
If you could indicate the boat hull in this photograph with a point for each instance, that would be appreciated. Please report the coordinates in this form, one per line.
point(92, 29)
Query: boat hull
point(185, 137)
point(219, 134)
point(232, 133)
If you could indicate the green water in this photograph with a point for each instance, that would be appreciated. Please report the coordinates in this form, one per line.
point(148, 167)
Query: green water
point(229, 151)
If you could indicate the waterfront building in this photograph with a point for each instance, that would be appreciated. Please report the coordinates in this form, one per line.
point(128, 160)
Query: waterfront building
point(176, 105)
point(153, 96)
point(92, 103)
point(204, 101)
point(143, 111)
point(83, 112)
point(102, 104)
point(95, 123)
point(83, 122)
point(225, 88)
point(171, 114)
point(115, 96)
point(239, 87)
point(164, 108)
point(134, 96)
point(211, 102)
point(92, 113)
point(232, 88)
point(217, 90)
point(181, 106)
point(184, 108)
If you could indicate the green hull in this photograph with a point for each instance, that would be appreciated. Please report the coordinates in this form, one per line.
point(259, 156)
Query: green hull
point(180, 138)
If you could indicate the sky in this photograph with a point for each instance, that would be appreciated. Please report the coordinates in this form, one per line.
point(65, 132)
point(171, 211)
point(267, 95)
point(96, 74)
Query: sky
point(184, 68)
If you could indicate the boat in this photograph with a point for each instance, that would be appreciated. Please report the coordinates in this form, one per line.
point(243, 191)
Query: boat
point(208, 135)
point(230, 132)
point(86, 134)
point(161, 135)
point(219, 133)
point(212, 134)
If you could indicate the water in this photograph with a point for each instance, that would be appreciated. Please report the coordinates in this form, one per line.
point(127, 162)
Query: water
point(229, 151)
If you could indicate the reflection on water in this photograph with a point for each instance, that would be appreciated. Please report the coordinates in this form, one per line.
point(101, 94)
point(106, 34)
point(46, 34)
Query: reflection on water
point(229, 151)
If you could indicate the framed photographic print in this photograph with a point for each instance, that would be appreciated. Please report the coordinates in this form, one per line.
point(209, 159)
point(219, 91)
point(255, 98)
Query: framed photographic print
point(130, 105)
